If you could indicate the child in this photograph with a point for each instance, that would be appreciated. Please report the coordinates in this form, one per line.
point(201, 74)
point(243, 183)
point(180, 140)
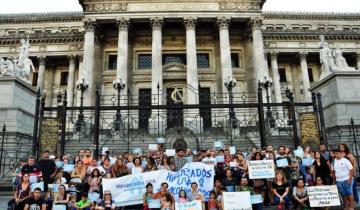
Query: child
point(182, 197)
point(147, 196)
point(213, 202)
point(72, 202)
point(84, 203)
point(166, 203)
point(309, 177)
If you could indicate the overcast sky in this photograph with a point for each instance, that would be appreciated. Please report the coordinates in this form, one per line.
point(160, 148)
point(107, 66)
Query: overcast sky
point(26, 6)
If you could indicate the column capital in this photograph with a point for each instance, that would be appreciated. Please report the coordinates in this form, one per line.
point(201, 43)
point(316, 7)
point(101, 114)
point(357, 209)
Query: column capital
point(71, 57)
point(157, 23)
point(123, 24)
point(223, 22)
point(256, 23)
point(90, 25)
point(190, 23)
point(303, 55)
point(42, 59)
point(273, 55)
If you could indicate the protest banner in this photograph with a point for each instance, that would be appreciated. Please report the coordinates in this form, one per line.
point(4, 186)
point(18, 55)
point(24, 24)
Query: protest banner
point(193, 205)
point(237, 200)
point(128, 190)
point(321, 196)
point(261, 169)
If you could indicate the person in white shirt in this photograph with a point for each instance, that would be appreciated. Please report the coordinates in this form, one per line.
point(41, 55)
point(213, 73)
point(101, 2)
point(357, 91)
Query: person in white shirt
point(209, 160)
point(344, 173)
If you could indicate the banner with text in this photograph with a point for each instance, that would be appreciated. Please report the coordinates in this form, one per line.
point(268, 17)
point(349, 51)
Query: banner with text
point(193, 205)
point(128, 190)
point(320, 196)
point(261, 169)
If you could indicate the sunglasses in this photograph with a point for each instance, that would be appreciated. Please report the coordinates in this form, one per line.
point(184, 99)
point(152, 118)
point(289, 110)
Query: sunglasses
point(107, 194)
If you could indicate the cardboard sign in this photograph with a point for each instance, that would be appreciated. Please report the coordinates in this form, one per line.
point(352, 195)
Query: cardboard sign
point(237, 200)
point(307, 161)
point(94, 197)
point(154, 204)
point(220, 159)
point(299, 153)
point(255, 199)
point(193, 205)
point(68, 167)
point(261, 169)
point(59, 164)
point(282, 162)
point(36, 185)
point(160, 140)
point(218, 144)
point(170, 152)
point(153, 147)
point(104, 150)
point(59, 207)
point(232, 150)
point(320, 196)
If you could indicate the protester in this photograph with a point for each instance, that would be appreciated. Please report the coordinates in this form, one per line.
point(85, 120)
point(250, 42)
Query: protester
point(107, 203)
point(300, 196)
point(36, 202)
point(280, 188)
point(322, 168)
point(22, 193)
point(62, 197)
point(182, 197)
point(148, 196)
point(180, 160)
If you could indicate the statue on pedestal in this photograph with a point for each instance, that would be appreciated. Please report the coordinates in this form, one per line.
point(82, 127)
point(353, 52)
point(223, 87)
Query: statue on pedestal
point(19, 67)
point(331, 60)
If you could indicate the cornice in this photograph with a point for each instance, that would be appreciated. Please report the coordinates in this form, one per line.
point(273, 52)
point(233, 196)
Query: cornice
point(41, 17)
point(309, 35)
point(327, 16)
point(45, 38)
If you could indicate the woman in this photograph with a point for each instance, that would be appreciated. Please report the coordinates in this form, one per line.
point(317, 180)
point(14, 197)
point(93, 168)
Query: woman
point(106, 166)
point(94, 181)
point(259, 184)
point(107, 203)
point(229, 182)
point(119, 169)
point(307, 152)
point(22, 193)
point(78, 173)
point(242, 165)
point(166, 202)
point(137, 168)
point(164, 163)
point(150, 166)
point(321, 168)
point(148, 195)
point(62, 197)
point(76, 159)
point(172, 163)
point(300, 196)
point(269, 181)
point(280, 188)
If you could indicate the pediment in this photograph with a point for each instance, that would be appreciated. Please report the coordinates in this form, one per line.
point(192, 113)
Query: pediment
point(174, 67)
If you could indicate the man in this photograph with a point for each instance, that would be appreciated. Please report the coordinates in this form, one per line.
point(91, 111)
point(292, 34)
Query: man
point(344, 173)
point(196, 195)
point(81, 153)
point(180, 160)
point(48, 167)
point(209, 160)
point(84, 203)
point(163, 191)
point(87, 158)
point(32, 169)
point(283, 162)
point(323, 152)
point(36, 202)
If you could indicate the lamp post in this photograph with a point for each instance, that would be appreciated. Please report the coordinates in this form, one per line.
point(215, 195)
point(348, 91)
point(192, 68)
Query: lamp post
point(81, 85)
point(230, 83)
point(266, 83)
point(118, 85)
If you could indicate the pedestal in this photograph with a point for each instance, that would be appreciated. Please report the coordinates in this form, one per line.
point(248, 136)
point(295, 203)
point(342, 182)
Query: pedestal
point(340, 93)
point(17, 105)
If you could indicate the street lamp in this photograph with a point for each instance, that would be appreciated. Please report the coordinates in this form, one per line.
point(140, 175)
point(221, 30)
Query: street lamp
point(266, 83)
point(118, 85)
point(81, 85)
point(230, 83)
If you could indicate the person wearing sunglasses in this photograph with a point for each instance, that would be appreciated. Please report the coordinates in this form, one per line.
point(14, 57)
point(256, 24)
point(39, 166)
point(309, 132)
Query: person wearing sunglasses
point(106, 203)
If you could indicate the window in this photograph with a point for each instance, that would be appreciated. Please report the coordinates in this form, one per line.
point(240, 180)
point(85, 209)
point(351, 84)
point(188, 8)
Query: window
point(144, 114)
point(171, 58)
point(34, 78)
point(144, 61)
point(112, 62)
point(235, 60)
point(203, 61)
point(205, 113)
point(282, 75)
point(311, 76)
point(64, 78)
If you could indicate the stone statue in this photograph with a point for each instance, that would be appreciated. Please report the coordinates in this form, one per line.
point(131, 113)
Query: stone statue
point(331, 61)
point(19, 67)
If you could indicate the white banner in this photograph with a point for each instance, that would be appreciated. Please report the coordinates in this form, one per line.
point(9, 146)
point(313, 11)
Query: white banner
point(320, 196)
point(128, 190)
point(193, 205)
point(261, 169)
point(237, 200)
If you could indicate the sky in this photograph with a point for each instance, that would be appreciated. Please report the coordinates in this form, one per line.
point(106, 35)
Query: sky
point(30, 6)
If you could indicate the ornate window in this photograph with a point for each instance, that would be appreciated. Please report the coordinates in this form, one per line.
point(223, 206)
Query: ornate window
point(64, 78)
point(112, 62)
point(174, 58)
point(203, 61)
point(144, 61)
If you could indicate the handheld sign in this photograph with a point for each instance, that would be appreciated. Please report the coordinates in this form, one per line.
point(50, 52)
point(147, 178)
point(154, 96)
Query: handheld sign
point(193, 205)
point(37, 185)
point(232, 150)
point(255, 199)
point(170, 152)
point(160, 140)
point(237, 200)
point(153, 147)
point(282, 162)
point(232, 164)
point(59, 164)
point(33, 179)
point(321, 196)
point(299, 153)
point(104, 150)
point(220, 159)
point(68, 167)
point(112, 160)
point(137, 150)
point(261, 169)
point(307, 161)
point(94, 197)
point(218, 144)
point(154, 204)
point(59, 207)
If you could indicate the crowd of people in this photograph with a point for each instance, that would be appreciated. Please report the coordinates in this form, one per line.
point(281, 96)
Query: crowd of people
point(72, 183)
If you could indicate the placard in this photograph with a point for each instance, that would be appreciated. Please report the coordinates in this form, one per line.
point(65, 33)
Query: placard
point(160, 140)
point(232, 150)
point(104, 150)
point(220, 159)
point(36, 185)
point(232, 164)
point(59, 164)
point(170, 152)
point(154, 204)
point(218, 144)
point(309, 128)
point(94, 197)
point(33, 179)
point(137, 150)
point(153, 147)
point(68, 167)
point(255, 199)
point(307, 161)
point(193, 205)
point(299, 153)
point(237, 200)
point(283, 162)
point(59, 207)
point(321, 196)
point(189, 159)
point(261, 169)
point(76, 180)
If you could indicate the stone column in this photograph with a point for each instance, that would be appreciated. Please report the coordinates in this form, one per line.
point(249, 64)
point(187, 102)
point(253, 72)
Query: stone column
point(80, 75)
point(51, 94)
point(88, 71)
point(41, 73)
point(156, 70)
point(71, 80)
point(122, 53)
point(225, 50)
point(358, 60)
point(258, 51)
point(276, 77)
point(191, 59)
point(305, 76)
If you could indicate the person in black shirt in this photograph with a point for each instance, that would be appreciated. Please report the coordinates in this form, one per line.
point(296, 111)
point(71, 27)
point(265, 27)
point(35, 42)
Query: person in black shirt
point(32, 169)
point(229, 182)
point(280, 188)
point(36, 202)
point(282, 155)
point(48, 167)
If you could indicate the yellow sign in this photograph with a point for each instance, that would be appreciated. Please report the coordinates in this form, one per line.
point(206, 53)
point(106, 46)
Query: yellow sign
point(49, 134)
point(308, 128)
